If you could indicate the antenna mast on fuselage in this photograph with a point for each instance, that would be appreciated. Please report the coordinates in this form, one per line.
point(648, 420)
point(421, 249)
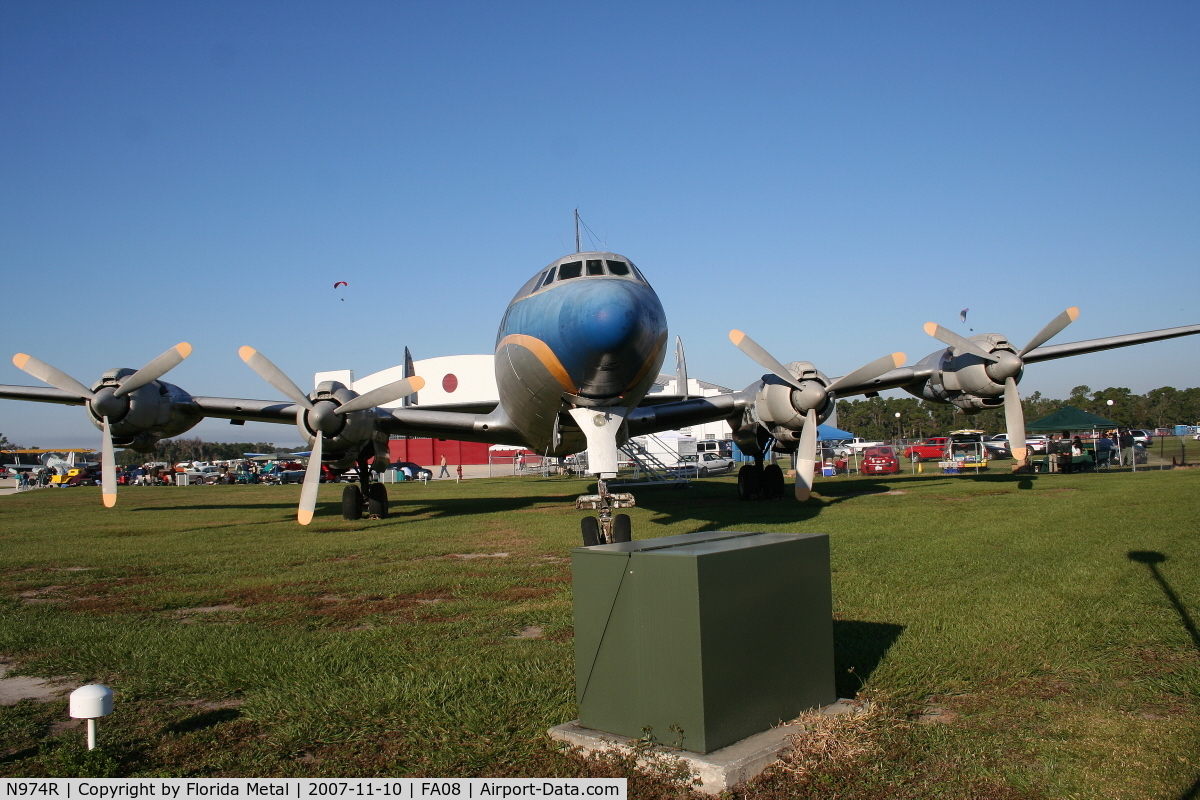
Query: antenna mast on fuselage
point(577, 247)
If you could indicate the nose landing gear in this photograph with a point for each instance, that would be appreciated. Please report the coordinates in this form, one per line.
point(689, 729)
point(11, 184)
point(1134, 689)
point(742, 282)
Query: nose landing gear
point(607, 529)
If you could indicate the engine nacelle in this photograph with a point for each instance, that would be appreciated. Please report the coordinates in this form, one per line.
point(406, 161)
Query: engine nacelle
point(139, 419)
point(966, 380)
point(779, 409)
point(345, 434)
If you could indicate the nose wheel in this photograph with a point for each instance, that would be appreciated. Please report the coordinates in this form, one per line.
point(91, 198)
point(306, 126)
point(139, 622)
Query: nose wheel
point(606, 528)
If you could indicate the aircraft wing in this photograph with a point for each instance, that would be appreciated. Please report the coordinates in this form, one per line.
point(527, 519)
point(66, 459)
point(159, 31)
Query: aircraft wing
point(280, 411)
point(892, 379)
point(670, 416)
point(492, 428)
point(40, 394)
point(1048, 352)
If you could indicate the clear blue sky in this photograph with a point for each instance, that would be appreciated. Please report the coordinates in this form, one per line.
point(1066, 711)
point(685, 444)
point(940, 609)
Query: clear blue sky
point(826, 176)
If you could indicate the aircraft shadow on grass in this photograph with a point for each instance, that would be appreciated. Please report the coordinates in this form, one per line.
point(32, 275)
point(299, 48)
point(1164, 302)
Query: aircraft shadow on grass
point(1152, 558)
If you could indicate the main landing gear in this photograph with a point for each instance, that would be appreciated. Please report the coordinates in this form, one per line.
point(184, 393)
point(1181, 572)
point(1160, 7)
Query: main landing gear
point(365, 493)
point(756, 481)
point(607, 529)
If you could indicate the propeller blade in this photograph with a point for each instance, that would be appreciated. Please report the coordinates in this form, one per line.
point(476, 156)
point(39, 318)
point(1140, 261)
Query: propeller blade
point(48, 374)
point(954, 340)
point(108, 468)
point(806, 456)
point(1014, 420)
point(312, 482)
point(1052, 329)
point(274, 376)
point(155, 369)
point(764, 359)
point(872, 370)
point(383, 394)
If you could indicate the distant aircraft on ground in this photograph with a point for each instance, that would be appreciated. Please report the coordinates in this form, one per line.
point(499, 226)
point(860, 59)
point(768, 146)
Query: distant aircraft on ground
point(577, 351)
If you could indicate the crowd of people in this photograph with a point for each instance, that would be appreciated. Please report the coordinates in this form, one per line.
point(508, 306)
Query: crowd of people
point(1067, 454)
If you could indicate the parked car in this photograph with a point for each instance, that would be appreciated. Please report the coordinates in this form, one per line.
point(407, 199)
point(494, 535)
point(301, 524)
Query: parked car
point(1036, 442)
point(931, 449)
point(1141, 437)
point(879, 460)
point(844, 447)
point(702, 465)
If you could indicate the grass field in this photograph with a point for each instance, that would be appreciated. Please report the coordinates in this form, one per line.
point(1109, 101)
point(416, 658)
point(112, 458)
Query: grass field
point(1019, 636)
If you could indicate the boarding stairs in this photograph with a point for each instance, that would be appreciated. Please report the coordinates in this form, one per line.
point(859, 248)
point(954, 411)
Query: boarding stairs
point(648, 469)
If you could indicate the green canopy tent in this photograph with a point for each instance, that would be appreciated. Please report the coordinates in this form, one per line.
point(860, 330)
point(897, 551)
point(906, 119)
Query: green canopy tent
point(1070, 418)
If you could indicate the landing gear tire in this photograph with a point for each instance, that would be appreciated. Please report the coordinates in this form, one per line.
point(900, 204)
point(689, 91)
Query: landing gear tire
point(352, 502)
point(377, 501)
point(772, 482)
point(749, 482)
point(622, 529)
point(591, 531)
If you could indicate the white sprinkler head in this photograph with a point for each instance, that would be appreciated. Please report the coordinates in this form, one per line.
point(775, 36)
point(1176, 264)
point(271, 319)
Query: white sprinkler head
point(91, 701)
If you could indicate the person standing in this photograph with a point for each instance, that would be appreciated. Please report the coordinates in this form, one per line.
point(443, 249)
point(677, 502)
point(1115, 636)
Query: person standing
point(1126, 442)
point(445, 473)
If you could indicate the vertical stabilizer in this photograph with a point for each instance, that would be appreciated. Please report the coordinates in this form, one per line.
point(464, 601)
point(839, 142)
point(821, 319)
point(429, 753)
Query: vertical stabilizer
point(681, 379)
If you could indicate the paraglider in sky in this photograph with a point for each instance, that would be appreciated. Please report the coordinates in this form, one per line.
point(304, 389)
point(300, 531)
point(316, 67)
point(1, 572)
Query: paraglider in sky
point(962, 315)
point(341, 283)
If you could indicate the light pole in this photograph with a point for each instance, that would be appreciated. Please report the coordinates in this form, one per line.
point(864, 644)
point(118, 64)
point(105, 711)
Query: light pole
point(898, 431)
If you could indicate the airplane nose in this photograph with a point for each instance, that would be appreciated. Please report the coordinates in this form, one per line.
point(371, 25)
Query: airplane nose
point(615, 327)
point(608, 317)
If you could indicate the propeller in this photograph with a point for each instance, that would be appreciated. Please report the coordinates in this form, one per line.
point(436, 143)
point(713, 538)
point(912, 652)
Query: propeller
point(813, 397)
point(1006, 367)
point(103, 404)
point(806, 456)
point(322, 418)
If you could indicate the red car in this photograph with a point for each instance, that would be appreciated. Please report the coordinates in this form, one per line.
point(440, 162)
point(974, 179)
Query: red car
point(879, 461)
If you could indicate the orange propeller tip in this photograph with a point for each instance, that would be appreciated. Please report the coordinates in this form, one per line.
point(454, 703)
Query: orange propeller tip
point(304, 517)
point(736, 336)
point(184, 349)
point(898, 359)
point(416, 383)
point(110, 500)
point(1073, 313)
point(20, 360)
point(246, 352)
point(930, 327)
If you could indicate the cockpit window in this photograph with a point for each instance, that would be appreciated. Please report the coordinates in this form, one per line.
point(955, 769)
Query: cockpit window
point(618, 267)
point(595, 267)
point(549, 277)
point(572, 269)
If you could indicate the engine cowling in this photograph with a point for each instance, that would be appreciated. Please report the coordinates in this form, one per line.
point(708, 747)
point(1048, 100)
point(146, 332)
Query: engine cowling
point(345, 435)
point(968, 381)
point(140, 419)
point(779, 409)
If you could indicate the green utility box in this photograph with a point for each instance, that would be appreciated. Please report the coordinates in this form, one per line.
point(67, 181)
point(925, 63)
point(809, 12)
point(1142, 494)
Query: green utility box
point(702, 639)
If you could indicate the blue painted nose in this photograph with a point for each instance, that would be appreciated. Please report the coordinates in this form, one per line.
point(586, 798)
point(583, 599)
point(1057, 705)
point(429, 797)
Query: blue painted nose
point(607, 317)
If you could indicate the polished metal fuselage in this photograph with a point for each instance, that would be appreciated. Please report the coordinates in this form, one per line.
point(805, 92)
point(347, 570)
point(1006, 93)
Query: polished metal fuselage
point(586, 341)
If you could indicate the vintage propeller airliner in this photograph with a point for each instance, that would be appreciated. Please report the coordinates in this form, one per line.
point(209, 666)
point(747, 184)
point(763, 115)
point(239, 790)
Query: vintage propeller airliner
point(577, 351)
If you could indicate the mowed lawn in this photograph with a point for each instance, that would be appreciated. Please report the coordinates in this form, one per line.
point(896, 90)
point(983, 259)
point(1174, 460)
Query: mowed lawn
point(1029, 637)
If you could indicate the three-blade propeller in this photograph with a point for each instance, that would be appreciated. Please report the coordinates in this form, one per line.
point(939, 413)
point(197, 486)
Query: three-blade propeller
point(322, 417)
point(103, 406)
point(1014, 415)
point(814, 395)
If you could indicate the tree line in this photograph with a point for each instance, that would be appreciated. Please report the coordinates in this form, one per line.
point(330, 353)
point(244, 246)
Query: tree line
point(875, 418)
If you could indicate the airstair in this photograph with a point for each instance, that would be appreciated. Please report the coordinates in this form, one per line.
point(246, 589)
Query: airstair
point(648, 469)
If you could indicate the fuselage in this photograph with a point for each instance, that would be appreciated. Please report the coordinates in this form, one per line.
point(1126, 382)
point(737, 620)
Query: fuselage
point(586, 331)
